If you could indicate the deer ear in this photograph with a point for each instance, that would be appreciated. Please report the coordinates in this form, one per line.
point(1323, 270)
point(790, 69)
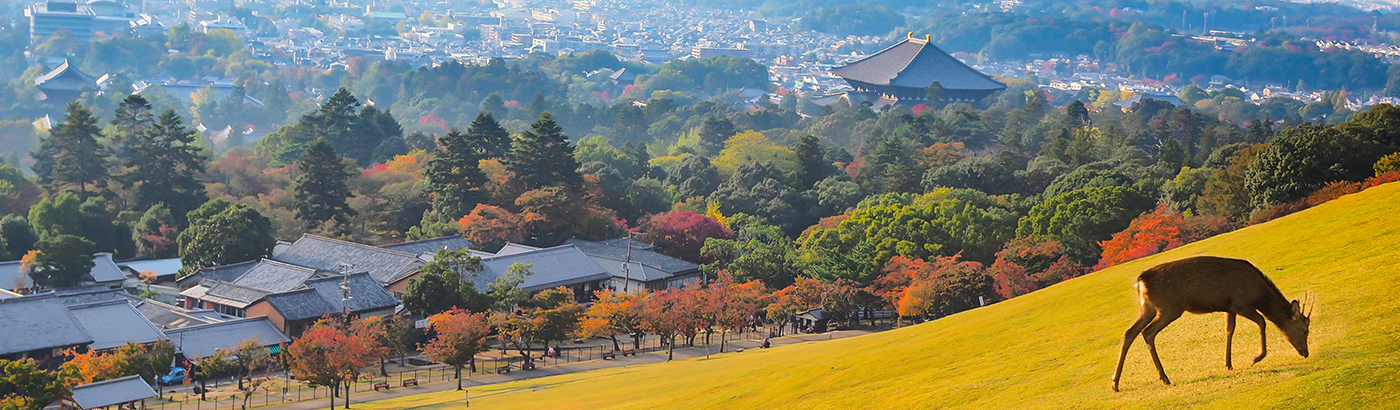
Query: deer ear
point(1296, 307)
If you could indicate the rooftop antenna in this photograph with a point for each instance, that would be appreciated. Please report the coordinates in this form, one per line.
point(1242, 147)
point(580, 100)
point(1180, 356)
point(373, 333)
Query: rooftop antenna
point(345, 289)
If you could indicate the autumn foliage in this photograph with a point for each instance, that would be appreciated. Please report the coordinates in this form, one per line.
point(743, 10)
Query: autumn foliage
point(492, 226)
point(936, 288)
point(682, 233)
point(460, 336)
point(1028, 264)
point(1157, 231)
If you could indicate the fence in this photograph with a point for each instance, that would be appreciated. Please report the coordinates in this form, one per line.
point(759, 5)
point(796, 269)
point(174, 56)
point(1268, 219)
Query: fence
point(286, 390)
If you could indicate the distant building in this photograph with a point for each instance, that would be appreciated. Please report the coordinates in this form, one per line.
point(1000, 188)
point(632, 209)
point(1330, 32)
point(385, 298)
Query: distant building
point(707, 52)
point(64, 83)
point(905, 71)
point(83, 20)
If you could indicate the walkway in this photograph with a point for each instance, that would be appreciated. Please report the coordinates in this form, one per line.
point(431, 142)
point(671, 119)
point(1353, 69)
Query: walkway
point(681, 353)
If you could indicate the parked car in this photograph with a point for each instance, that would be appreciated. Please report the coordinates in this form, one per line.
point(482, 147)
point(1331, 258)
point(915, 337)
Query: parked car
point(177, 376)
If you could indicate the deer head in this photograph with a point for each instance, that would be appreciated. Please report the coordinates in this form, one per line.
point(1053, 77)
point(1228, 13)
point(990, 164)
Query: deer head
point(1296, 329)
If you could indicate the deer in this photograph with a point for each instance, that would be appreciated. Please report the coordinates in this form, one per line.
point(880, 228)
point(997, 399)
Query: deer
point(1208, 284)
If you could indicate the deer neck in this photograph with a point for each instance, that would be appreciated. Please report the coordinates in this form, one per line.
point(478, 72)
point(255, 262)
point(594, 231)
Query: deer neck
point(1277, 308)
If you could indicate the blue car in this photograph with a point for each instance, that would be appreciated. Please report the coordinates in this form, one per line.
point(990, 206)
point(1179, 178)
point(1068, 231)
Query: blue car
point(176, 376)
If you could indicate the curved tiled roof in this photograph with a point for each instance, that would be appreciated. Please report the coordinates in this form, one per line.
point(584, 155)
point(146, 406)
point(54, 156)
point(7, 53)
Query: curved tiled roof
point(916, 63)
point(385, 265)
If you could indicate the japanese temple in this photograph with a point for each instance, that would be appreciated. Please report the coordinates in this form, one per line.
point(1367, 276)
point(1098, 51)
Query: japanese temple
point(904, 72)
point(64, 83)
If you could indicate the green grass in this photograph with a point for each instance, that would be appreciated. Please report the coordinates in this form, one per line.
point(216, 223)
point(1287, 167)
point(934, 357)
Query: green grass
point(1056, 348)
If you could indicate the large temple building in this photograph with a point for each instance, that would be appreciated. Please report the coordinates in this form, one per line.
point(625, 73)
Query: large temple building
point(905, 71)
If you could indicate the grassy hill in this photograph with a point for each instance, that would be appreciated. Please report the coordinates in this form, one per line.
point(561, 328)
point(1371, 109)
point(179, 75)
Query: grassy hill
point(1056, 348)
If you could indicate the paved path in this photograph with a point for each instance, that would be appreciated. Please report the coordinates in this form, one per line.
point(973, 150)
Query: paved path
point(681, 353)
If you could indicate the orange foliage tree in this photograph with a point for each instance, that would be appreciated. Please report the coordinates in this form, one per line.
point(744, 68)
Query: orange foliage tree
point(1027, 264)
point(328, 354)
point(1156, 231)
point(682, 233)
point(460, 336)
point(804, 294)
point(940, 287)
point(491, 227)
point(613, 313)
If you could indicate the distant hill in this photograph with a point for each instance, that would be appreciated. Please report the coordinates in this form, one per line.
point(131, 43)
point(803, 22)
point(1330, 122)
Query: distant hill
point(1057, 347)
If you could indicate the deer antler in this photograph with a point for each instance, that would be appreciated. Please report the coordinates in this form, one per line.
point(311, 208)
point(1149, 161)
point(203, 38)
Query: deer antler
point(1312, 302)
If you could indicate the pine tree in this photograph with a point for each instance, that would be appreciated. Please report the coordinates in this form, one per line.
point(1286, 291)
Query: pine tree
point(713, 133)
point(814, 166)
point(70, 158)
point(321, 190)
point(133, 117)
point(165, 167)
point(453, 176)
point(542, 157)
point(487, 136)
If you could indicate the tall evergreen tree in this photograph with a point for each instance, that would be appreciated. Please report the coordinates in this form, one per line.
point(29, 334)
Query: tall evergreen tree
point(132, 118)
point(321, 190)
point(453, 176)
point(812, 161)
point(165, 168)
point(70, 158)
point(487, 136)
point(542, 157)
point(63, 260)
point(713, 133)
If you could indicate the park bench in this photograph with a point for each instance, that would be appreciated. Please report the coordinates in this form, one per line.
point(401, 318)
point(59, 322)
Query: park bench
point(609, 355)
point(410, 382)
point(629, 352)
point(381, 385)
point(503, 369)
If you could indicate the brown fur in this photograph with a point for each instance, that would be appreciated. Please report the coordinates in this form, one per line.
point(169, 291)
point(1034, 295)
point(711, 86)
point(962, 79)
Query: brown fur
point(1207, 284)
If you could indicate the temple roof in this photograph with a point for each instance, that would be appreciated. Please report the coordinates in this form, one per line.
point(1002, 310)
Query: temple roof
point(65, 77)
point(916, 63)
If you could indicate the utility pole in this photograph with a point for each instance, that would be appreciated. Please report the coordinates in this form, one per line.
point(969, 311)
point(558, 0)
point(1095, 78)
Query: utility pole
point(345, 291)
point(627, 264)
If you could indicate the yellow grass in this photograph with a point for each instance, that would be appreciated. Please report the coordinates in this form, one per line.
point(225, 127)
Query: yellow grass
point(1056, 348)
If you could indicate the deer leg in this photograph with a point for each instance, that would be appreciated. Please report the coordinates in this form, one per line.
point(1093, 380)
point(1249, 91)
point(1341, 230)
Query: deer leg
point(1254, 316)
point(1229, 337)
point(1133, 332)
point(1149, 335)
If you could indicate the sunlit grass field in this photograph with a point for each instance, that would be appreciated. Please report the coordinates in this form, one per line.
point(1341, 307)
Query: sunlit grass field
point(1056, 348)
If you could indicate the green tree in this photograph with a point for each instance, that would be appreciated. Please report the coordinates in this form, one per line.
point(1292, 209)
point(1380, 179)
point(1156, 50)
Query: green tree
point(487, 136)
point(132, 118)
point(811, 162)
point(1081, 219)
point(693, 177)
point(222, 232)
point(713, 133)
point(760, 190)
point(17, 236)
point(542, 157)
point(1307, 157)
point(761, 252)
point(448, 282)
point(165, 168)
point(17, 192)
point(453, 176)
point(63, 260)
point(321, 189)
point(24, 385)
point(70, 158)
point(67, 214)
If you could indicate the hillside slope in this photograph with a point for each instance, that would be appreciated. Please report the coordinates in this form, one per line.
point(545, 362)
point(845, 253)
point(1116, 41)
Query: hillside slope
point(1056, 348)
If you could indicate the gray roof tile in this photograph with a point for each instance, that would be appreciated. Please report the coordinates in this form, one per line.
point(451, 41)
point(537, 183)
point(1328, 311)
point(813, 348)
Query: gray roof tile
point(641, 252)
point(328, 254)
point(204, 340)
point(323, 296)
point(112, 392)
point(557, 266)
point(431, 246)
point(226, 273)
point(38, 322)
point(113, 323)
point(916, 63)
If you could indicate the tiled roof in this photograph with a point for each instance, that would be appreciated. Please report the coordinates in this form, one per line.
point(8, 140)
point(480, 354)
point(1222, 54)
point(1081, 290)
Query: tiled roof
point(162, 267)
point(916, 63)
point(323, 296)
point(328, 254)
point(113, 323)
point(557, 266)
point(641, 252)
point(204, 340)
point(635, 270)
point(273, 276)
point(64, 77)
point(431, 246)
point(89, 294)
point(514, 248)
point(105, 270)
point(230, 294)
point(168, 317)
point(226, 273)
point(112, 392)
point(38, 322)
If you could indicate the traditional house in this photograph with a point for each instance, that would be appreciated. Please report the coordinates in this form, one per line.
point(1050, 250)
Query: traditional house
point(390, 268)
point(64, 83)
point(203, 340)
point(652, 268)
point(39, 327)
point(113, 323)
point(907, 70)
point(104, 272)
point(128, 392)
point(295, 311)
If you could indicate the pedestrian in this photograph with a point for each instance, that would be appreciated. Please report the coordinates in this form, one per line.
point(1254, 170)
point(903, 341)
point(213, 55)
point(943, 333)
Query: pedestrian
point(765, 343)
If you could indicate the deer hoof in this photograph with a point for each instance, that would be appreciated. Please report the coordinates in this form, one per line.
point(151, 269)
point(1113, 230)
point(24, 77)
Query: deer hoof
point(1257, 359)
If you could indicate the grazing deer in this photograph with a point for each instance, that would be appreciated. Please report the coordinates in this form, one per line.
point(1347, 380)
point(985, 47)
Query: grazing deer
point(1207, 284)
